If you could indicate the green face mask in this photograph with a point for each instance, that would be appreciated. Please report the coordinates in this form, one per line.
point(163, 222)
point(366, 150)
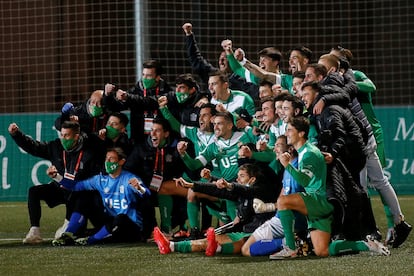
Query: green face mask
point(95, 110)
point(148, 83)
point(111, 167)
point(111, 132)
point(182, 96)
point(67, 144)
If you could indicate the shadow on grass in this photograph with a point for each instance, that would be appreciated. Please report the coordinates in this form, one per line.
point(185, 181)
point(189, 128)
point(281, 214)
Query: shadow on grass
point(15, 243)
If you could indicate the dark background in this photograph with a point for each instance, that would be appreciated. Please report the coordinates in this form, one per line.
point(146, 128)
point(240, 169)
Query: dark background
point(57, 51)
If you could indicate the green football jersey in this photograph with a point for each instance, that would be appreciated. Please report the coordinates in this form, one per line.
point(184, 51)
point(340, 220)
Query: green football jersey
point(223, 154)
point(311, 173)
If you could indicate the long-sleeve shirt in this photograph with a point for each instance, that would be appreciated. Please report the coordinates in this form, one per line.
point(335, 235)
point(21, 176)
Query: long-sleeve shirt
point(311, 173)
point(83, 161)
point(236, 101)
point(118, 196)
point(223, 152)
point(203, 68)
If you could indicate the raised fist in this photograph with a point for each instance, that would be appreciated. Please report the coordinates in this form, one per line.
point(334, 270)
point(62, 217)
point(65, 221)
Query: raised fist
point(227, 46)
point(188, 28)
point(67, 108)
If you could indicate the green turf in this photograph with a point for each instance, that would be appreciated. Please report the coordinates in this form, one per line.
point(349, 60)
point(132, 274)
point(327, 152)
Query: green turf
point(144, 259)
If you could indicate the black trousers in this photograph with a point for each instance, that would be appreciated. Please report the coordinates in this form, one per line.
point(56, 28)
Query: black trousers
point(53, 195)
point(122, 228)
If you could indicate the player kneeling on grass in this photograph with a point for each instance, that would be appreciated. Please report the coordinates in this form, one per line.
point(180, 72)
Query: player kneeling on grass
point(116, 216)
point(227, 243)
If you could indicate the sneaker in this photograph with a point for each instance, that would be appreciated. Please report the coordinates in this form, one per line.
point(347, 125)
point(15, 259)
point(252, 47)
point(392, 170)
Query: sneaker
point(376, 246)
point(33, 236)
point(305, 248)
point(195, 234)
point(67, 238)
point(169, 236)
point(390, 238)
point(82, 241)
point(61, 229)
point(285, 253)
point(162, 241)
point(211, 242)
point(376, 235)
point(402, 230)
point(180, 235)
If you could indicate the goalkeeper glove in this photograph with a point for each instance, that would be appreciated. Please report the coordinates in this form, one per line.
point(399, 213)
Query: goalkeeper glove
point(260, 207)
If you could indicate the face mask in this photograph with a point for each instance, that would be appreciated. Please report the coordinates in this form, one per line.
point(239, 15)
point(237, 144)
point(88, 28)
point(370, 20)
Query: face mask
point(67, 144)
point(95, 110)
point(111, 167)
point(111, 132)
point(181, 97)
point(148, 83)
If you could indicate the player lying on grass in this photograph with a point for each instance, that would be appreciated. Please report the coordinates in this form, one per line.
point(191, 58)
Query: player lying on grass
point(228, 243)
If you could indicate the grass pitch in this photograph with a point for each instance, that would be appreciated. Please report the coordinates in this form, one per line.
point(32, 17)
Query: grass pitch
point(144, 259)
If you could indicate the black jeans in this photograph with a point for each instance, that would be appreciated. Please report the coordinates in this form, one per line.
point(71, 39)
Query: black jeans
point(122, 228)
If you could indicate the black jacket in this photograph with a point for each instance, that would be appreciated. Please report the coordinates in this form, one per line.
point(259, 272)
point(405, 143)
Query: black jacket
point(88, 124)
point(342, 90)
point(140, 106)
point(203, 68)
point(141, 161)
point(347, 197)
point(340, 135)
point(266, 188)
point(333, 91)
point(186, 113)
point(92, 149)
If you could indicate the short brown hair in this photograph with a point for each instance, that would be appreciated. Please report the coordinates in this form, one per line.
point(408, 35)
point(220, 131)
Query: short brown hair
point(271, 52)
point(72, 125)
point(300, 123)
point(222, 75)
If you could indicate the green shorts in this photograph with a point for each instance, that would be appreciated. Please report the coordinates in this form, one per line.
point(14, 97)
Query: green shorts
point(225, 210)
point(320, 211)
point(236, 236)
point(219, 211)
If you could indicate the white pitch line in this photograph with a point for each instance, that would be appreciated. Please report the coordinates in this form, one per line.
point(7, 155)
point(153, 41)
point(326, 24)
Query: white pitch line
point(19, 239)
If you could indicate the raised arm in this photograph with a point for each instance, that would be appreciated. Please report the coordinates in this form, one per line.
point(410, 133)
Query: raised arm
point(191, 163)
point(263, 74)
point(200, 65)
point(28, 144)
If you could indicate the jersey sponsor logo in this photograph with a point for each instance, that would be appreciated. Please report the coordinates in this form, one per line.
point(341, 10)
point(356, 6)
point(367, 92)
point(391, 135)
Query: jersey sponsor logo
point(309, 173)
point(120, 204)
point(228, 162)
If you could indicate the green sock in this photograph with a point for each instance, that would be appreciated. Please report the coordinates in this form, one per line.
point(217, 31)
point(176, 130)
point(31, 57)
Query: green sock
point(389, 216)
point(287, 218)
point(182, 246)
point(231, 209)
point(165, 204)
point(193, 213)
point(227, 248)
point(341, 246)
